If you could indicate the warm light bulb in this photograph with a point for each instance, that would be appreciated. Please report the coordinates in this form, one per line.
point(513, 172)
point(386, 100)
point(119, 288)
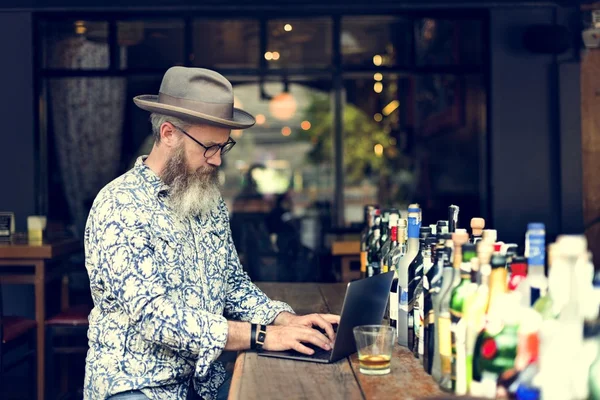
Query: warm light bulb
point(378, 87)
point(287, 27)
point(377, 60)
point(305, 125)
point(378, 76)
point(260, 119)
point(378, 117)
point(378, 149)
point(286, 131)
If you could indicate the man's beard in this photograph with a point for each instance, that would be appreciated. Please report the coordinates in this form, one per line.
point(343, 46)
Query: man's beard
point(191, 193)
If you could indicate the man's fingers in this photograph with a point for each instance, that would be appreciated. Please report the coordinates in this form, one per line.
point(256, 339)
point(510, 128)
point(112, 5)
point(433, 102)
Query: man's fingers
point(299, 347)
point(331, 318)
point(317, 338)
point(326, 326)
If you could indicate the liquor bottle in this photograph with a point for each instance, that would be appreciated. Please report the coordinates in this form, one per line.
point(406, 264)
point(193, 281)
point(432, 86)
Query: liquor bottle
point(477, 225)
point(452, 218)
point(458, 328)
point(435, 278)
point(535, 251)
point(387, 241)
point(427, 310)
point(418, 266)
point(368, 218)
point(384, 231)
point(497, 278)
point(594, 372)
point(496, 345)
point(475, 304)
point(441, 228)
point(496, 315)
point(404, 276)
point(489, 235)
point(374, 253)
point(518, 272)
point(396, 252)
point(444, 329)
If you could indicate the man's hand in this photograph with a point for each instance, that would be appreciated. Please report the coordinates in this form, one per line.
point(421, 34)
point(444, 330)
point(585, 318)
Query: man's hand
point(280, 338)
point(324, 321)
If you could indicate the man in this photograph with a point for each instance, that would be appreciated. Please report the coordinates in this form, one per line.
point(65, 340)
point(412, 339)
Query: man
point(169, 292)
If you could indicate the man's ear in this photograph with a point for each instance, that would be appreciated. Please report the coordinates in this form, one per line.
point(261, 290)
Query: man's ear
point(168, 135)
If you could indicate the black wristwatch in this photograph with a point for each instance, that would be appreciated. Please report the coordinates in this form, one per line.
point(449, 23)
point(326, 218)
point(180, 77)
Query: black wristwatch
point(257, 339)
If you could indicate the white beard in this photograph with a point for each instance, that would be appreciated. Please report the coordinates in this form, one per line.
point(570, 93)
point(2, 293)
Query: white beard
point(190, 193)
point(196, 199)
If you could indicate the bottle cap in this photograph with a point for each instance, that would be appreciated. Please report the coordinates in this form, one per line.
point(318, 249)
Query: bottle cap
point(571, 245)
point(477, 225)
point(498, 260)
point(460, 238)
point(535, 226)
point(490, 235)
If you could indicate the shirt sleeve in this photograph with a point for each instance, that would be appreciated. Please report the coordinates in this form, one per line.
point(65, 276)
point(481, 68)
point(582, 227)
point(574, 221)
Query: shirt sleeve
point(134, 278)
point(245, 301)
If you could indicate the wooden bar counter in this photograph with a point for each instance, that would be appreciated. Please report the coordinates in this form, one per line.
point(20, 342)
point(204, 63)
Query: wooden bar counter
point(270, 378)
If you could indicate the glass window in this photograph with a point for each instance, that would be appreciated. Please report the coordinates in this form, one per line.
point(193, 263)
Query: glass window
point(376, 41)
point(445, 42)
point(414, 139)
point(75, 44)
point(151, 43)
point(226, 43)
point(299, 43)
point(278, 179)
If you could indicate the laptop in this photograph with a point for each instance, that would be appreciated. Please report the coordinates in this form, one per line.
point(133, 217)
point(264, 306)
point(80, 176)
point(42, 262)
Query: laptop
point(364, 304)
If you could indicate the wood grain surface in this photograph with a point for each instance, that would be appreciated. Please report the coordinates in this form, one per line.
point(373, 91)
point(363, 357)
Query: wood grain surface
point(270, 378)
point(590, 141)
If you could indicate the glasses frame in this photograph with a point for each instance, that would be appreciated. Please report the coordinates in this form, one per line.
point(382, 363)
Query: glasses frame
point(223, 148)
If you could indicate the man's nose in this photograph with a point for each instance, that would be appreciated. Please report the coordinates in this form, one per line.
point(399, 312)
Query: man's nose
point(215, 159)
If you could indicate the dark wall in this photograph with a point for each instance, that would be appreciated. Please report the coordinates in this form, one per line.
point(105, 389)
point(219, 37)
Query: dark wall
point(17, 167)
point(534, 105)
point(17, 144)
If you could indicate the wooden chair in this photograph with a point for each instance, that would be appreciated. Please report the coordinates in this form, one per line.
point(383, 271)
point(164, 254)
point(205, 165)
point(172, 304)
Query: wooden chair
point(17, 340)
point(66, 334)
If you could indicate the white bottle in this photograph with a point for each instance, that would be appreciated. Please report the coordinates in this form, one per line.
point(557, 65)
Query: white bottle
point(411, 252)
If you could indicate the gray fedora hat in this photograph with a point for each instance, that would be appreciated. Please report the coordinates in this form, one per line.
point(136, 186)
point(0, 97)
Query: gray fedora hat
point(196, 95)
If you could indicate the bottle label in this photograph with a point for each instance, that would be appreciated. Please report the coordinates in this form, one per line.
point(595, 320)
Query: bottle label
point(363, 262)
point(413, 227)
point(536, 249)
point(445, 345)
point(394, 306)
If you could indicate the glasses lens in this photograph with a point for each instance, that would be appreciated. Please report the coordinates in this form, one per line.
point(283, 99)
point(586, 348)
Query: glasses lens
point(211, 151)
point(228, 146)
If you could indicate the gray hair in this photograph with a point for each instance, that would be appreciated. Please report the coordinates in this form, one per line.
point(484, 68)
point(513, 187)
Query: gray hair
point(158, 119)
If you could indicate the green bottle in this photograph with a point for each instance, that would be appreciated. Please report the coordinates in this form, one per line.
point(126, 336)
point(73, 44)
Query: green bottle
point(496, 346)
point(458, 327)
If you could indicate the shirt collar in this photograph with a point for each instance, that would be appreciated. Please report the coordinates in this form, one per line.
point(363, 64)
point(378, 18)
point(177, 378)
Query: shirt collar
point(150, 176)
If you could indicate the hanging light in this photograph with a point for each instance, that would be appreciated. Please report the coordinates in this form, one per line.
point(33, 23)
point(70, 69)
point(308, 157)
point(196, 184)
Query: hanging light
point(283, 106)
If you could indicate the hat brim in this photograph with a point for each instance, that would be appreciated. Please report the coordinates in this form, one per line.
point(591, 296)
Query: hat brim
point(241, 119)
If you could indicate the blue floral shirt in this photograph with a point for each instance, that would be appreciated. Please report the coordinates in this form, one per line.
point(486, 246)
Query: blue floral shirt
point(162, 290)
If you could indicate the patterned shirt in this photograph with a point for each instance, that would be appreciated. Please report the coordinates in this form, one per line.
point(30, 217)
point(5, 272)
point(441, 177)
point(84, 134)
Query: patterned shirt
point(162, 288)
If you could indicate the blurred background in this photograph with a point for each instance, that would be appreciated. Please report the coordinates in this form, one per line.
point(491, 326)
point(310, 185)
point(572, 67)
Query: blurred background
point(482, 104)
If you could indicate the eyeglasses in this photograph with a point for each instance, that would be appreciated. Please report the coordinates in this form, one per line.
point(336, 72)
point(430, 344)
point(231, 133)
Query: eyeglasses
point(210, 151)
